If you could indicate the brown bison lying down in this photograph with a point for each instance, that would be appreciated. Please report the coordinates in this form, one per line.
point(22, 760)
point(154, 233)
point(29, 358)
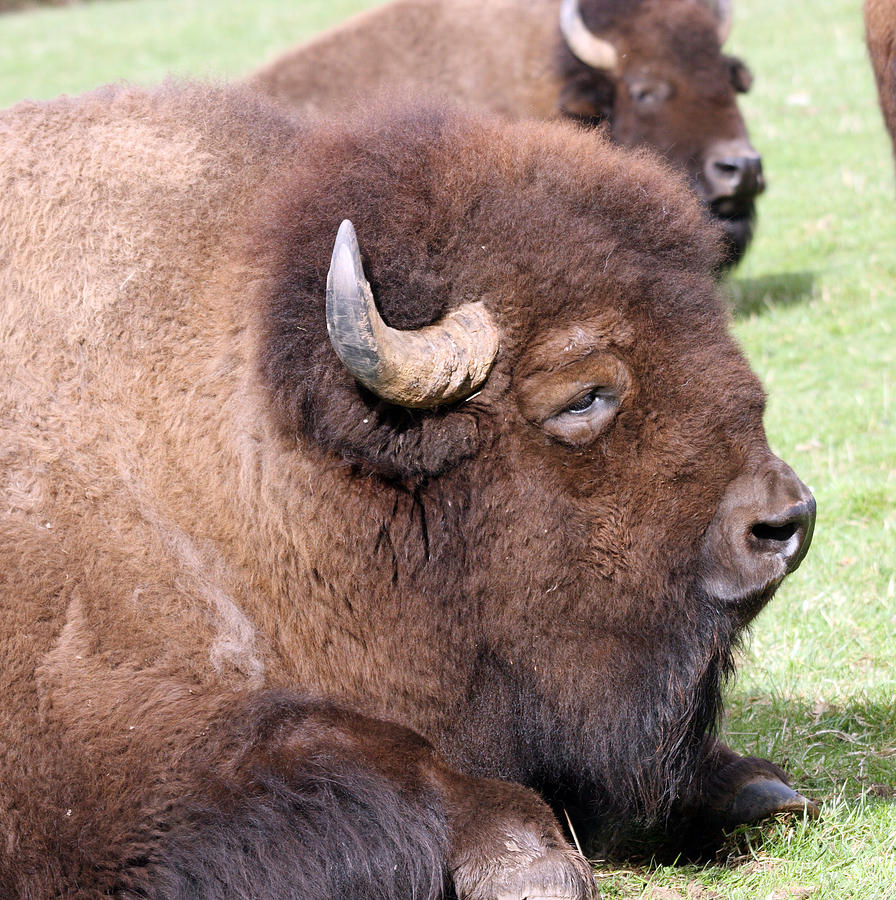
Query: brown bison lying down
point(652, 72)
point(289, 615)
point(880, 34)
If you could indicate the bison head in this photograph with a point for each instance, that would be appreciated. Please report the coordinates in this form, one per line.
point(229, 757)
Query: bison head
point(654, 71)
point(537, 454)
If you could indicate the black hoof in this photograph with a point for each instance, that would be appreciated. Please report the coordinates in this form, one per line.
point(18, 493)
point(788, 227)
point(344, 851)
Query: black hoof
point(763, 798)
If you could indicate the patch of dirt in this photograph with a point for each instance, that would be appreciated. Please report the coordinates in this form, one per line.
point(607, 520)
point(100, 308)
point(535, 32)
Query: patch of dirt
point(698, 892)
point(793, 892)
point(694, 892)
point(15, 5)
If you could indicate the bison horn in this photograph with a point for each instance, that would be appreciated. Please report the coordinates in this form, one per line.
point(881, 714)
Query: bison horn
point(726, 18)
point(584, 44)
point(437, 364)
point(723, 11)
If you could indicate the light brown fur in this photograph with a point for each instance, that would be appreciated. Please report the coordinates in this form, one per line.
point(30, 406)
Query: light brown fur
point(445, 51)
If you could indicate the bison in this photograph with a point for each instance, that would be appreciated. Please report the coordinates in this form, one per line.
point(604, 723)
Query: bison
point(338, 560)
point(651, 71)
point(880, 35)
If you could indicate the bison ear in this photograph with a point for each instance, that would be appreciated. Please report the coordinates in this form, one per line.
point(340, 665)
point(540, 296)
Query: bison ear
point(387, 400)
point(739, 75)
point(384, 399)
point(588, 98)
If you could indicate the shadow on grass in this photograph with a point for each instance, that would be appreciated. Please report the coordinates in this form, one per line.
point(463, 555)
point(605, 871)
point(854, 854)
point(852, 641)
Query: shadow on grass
point(832, 751)
point(756, 296)
point(841, 755)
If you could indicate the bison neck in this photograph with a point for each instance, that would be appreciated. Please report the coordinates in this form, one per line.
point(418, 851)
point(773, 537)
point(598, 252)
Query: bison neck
point(614, 744)
point(392, 612)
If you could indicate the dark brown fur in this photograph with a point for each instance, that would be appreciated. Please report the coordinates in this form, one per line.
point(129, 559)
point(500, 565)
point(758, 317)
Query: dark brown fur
point(227, 569)
point(880, 34)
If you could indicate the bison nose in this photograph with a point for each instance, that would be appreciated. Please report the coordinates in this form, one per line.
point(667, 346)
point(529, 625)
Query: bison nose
point(760, 533)
point(734, 174)
point(787, 534)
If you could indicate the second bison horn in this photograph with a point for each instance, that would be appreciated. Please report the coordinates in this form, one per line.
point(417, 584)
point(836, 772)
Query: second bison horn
point(584, 44)
point(723, 12)
point(424, 368)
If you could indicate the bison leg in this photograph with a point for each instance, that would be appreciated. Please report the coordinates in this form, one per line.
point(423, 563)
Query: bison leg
point(506, 844)
point(308, 800)
point(732, 790)
point(290, 798)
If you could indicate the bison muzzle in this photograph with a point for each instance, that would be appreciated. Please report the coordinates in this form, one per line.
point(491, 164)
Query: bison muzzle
point(338, 566)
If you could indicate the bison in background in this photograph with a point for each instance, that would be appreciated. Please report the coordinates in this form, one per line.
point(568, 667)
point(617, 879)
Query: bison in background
point(651, 71)
point(297, 615)
point(880, 34)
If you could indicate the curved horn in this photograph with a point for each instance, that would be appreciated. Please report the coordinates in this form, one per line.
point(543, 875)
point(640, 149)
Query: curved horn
point(724, 12)
point(441, 363)
point(585, 45)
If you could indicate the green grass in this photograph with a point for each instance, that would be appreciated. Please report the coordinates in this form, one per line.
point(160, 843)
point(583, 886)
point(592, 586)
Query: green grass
point(814, 305)
point(53, 50)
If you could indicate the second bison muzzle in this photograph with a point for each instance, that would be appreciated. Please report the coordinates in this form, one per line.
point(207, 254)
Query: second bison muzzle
point(290, 613)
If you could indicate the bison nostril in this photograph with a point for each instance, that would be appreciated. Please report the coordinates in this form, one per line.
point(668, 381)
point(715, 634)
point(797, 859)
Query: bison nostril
point(787, 534)
point(779, 533)
point(726, 168)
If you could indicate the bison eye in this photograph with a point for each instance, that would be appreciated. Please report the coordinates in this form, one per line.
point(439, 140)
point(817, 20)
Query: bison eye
point(587, 401)
point(581, 420)
point(649, 95)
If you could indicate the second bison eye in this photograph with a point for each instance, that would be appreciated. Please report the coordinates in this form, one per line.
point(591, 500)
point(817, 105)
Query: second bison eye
point(583, 418)
point(648, 95)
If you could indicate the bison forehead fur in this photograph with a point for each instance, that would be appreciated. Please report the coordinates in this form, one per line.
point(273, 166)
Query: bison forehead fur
point(493, 248)
point(204, 514)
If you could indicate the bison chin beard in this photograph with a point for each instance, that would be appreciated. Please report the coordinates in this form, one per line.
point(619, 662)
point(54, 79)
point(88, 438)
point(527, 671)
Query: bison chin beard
point(737, 219)
point(623, 765)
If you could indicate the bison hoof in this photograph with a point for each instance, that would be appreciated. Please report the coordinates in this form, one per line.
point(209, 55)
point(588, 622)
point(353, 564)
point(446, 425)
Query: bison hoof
point(527, 870)
point(763, 798)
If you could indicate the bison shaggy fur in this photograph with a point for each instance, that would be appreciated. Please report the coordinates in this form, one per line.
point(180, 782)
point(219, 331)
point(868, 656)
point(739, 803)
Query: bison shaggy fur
point(268, 635)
